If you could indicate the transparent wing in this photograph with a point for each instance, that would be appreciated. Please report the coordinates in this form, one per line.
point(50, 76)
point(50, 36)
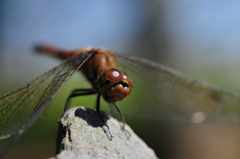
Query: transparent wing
point(19, 108)
point(161, 93)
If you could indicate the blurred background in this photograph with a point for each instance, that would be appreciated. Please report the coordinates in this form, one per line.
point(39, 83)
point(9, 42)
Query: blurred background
point(199, 38)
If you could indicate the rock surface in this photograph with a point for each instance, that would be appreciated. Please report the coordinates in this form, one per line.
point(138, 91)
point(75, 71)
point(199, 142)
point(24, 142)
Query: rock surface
point(83, 135)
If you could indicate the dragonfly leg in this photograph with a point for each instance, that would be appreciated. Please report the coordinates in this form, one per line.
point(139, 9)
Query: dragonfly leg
point(121, 115)
point(98, 109)
point(128, 135)
point(108, 133)
point(76, 93)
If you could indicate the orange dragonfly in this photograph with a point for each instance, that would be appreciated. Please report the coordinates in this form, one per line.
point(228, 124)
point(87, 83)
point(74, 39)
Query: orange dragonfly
point(162, 92)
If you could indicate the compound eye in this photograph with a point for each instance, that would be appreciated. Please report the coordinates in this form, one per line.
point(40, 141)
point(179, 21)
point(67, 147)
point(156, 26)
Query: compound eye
point(114, 75)
point(128, 78)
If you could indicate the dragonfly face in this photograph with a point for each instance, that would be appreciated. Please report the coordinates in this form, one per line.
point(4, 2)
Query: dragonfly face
point(160, 93)
point(114, 85)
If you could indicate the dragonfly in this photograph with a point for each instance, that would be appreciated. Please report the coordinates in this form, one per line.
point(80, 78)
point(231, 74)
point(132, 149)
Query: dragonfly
point(158, 90)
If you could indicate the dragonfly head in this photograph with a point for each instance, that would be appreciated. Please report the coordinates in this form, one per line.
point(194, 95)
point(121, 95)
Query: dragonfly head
point(114, 85)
